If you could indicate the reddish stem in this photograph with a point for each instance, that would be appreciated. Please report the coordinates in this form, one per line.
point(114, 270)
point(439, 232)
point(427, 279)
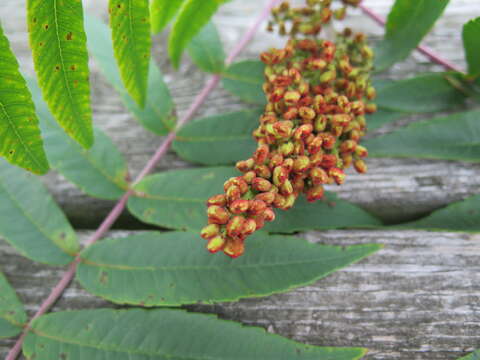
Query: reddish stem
point(58, 290)
point(425, 50)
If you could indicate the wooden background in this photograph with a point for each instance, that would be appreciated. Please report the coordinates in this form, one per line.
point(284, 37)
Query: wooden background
point(418, 298)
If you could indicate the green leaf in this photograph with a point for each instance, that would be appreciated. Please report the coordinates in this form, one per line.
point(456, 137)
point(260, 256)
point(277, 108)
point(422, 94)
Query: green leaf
point(162, 11)
point(459, 216)
point(421, 94)
point(100, 171)
point(471, 34)
point(12, 313)
point(453, 137)
point(176, 199)
point(218, 140)
point(58, 43)
point(206, 49)
point(271, 264)
point(161, 334)
point(158, 113)
point(245, 79)
point(472, 356)
point(328, 213)
point(192, 17)
point(31, 221)
point(130, 24)
point(382, 117)
point(21, 142)
point(407, 23)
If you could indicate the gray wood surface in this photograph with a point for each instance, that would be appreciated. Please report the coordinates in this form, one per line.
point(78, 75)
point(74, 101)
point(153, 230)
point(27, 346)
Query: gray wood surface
point(416, 299)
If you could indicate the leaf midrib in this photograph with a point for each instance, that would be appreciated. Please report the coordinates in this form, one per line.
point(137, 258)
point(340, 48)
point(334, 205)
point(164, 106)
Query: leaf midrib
point(220, 267)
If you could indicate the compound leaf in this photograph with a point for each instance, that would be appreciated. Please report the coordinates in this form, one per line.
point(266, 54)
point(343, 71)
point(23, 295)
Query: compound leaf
point(162, 334)
point(192, 17)
point(206, 49)
point(162, 11)
point(100, 171)
point(58, 43)
point(407, 23)
point(21, 142)
point(130, 24)
point(271, 264)
point(421, 94)
point(244, 79)
point(218, 140)
point(158, 113)
point(12, 313)
point(31, 221)
point(453, 137)
point(471, 34)
point(176, 200)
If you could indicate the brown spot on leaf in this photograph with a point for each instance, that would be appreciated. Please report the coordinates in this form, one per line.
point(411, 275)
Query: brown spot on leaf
point(69, 36)
point(73, 68)
point(46, 26)
point(34, 20)
point(103, 278)
point(57, 67)
point(63, 356)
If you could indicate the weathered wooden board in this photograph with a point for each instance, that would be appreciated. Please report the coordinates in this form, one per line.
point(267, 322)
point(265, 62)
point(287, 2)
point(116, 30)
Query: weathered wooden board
point(418, 298)
point(395, 190)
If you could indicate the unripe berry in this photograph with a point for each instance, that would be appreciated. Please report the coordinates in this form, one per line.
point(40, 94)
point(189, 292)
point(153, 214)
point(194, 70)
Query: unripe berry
point(215, 244)
point(210, 231)
point(239, 206)
point(217, 215)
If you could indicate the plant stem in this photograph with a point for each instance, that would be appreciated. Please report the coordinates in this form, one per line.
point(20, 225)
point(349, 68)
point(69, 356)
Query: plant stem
point(425, 50)
point(58, 290)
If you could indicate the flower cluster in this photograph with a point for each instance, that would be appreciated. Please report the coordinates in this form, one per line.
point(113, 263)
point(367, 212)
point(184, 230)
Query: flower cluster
point(317, 93)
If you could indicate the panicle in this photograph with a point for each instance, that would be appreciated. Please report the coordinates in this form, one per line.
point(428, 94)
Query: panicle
point(318, 93)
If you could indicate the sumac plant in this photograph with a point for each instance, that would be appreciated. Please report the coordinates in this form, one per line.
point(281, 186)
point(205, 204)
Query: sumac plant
point(311, 103)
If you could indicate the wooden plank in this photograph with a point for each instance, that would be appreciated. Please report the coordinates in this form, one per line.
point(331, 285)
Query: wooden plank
point(418, 298)
point(395, 190)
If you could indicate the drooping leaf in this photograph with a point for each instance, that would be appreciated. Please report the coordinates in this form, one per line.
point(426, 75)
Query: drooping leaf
point(158, 113)
point(192, 16)
point(162, 11)
point(136, 334)
point(472, 356)
point(130, 24)
point(12, 313)
point(218, 140)
point(99, 171)
point(271, 264)
point(471, 34)
point(21, 142)
point(58, 43)
point(206, 49)
point(453, 137)
point(421, 94)
point(244, 79)
point(328, 213)
point(407, 23)
point(459, 216)
point(31, 221)
point(176, 199)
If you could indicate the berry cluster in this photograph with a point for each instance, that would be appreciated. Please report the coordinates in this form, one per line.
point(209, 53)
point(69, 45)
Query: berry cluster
point(317, 94)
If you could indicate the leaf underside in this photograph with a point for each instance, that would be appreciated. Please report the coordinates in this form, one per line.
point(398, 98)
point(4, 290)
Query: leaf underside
point(244, 79)
point(130, 24)
point(176, 200)
point(162, 334)
point(31, 221)
point(271, 264)
point(58, 43)
point(206, 49)
point(19, 130)
point(100, 171)
point(12, 313)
